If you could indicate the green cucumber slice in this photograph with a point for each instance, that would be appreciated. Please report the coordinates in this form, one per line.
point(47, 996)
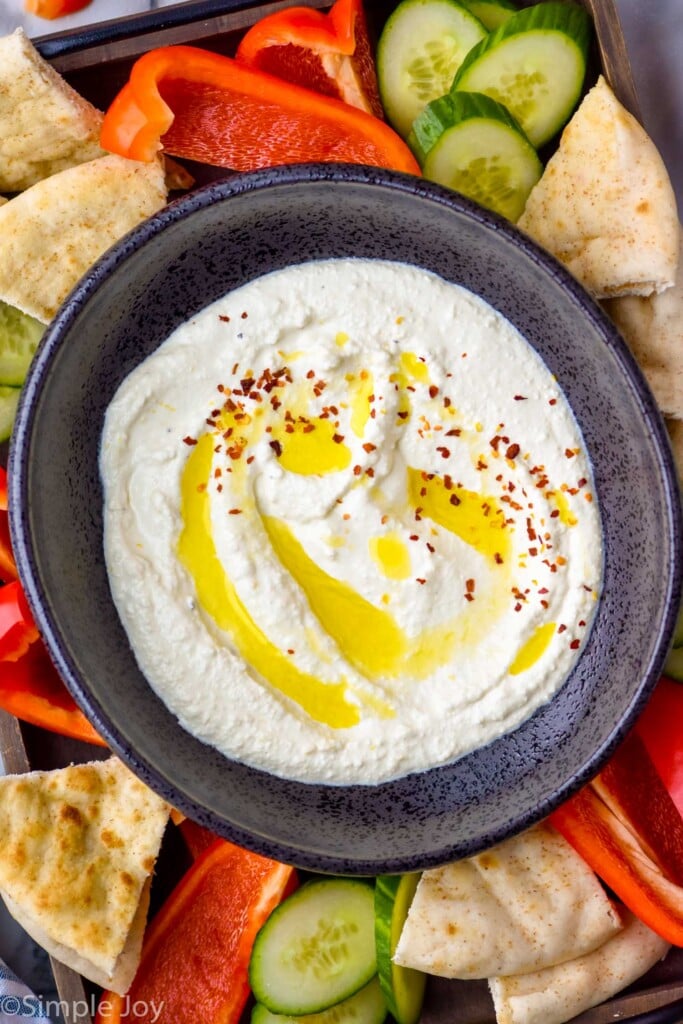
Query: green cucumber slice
point(365, 1007)
point(9, 399)
point(19, 337)
point(403, 988)
point(491, 13)
point(673, 666)
point(316, 949)
point(471, 144)
point(421, 47)
point(534, 64)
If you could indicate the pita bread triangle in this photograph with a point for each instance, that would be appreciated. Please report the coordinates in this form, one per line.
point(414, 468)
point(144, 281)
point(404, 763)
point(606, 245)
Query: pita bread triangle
point(605, 206)
point(54, 231)
point(45, 126)
point(78, 849)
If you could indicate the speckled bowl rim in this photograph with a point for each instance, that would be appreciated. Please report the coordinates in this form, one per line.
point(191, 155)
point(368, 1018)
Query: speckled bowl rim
point(23, 547)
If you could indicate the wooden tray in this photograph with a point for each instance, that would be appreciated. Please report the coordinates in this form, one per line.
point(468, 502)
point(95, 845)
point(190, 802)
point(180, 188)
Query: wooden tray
point(96, 61)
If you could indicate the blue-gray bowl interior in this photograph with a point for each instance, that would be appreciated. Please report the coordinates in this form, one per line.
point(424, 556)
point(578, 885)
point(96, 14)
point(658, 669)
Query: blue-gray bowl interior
point(184, 258)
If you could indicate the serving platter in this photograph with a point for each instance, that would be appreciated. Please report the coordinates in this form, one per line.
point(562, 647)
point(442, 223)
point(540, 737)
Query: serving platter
point(96, 61)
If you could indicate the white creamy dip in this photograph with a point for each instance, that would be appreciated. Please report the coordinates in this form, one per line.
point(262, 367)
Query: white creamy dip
point(349, 523)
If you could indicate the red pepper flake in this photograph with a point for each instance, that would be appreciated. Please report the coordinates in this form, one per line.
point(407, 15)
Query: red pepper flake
point(357, 470)
point(189, 440)
point(588, 496)
point(402, 415)
point(433, 391)
point(384, 520)
point(520, 398)
point(370, 472)
point(219, 487)
point(455, 432)
point(235, 512)
point(574, 645)
point(418, 580)
point(217, 472)
point(289, 428)
point(430, 547)
point(447, 403)
point(445, 453)
point(368, 447)
point(290, 650)
point(310, 375)
point(277, 447)
point(555, 513)
point(418, 516)
point(413, 536)
point(533, 552)
point(469, 586)
point(225, 319)
point(582, 482)
point(337, 438)
point(495, 441)
point(454, 499)
point(469, 597)
point(250, 459)
point(512, 452)
point(244, 316)
point(308, 428)
point(481, 464)
point(498, 558)
point(346, 515)
point(552, 401)
point(569, 453)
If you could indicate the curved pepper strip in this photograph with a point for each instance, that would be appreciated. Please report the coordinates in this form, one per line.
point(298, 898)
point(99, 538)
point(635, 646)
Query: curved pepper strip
point(207, 107)
point(634, 849)
point(329, 53)
point(31, 689)
point(196, 951)
point(661, 729)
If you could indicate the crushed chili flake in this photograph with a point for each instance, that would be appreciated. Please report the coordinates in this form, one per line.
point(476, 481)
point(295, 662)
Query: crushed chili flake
point(235, 512)
point(368, 447)
point(561, 628)
point(189, 440)
point(570, 453)
point(413, 536)
point(277, 447)
point(469, 586)
point(357, 470)
point(384, 520)
point(346, 515)
point(370, 472)
point(445, 453)
point(469, 597)
point(244, 316)
point(225, 319)
point(520, 398)
point(290, 650)
point(512, 452)
point(498, 558)
point(588, 496)
point(455, 432)
point(433, 391)
point(552, 401)
point(454, 499)
point(418, 580)
point(403, 415)
point(337, 438)
point(310, 375)
point(582, 623)
point(574, 645)
point(582, 482)
point(430, 547)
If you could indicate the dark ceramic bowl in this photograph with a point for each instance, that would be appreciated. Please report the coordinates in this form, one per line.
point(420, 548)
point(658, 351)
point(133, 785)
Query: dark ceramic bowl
point(169, 268)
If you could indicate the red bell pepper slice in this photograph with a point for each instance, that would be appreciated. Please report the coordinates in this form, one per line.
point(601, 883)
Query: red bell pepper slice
point(207, 107)
point(8, 568)
point(329, 53)
point(631, 838)
point(661, 729)
point(32, 690)
point(195, 956)
point(17, 628)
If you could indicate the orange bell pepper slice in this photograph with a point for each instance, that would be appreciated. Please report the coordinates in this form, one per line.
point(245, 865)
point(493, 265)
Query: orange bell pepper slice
point(210, 108)
point(196, 951)
point(54, 8)
point(329, 53)
point(631, 837)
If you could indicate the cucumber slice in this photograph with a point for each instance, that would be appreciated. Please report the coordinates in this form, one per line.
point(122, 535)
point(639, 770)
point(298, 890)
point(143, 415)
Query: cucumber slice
point(491, 13)
point(365, 1007)
point(9, 399)
point(471, 144)
point(673, 666)
point(421, 47)
point(403, 988)
point(534, 64)
point(316, 949)
point(19, 337)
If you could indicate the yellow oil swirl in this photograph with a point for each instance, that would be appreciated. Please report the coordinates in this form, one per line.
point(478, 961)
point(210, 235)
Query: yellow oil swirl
point(476, 519)
point(533, 650)
point(324, 702)
point(391, 556)
point(309, 447)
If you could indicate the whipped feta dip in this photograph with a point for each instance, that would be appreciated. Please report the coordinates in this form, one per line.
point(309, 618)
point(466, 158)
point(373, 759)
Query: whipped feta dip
point(350, 527)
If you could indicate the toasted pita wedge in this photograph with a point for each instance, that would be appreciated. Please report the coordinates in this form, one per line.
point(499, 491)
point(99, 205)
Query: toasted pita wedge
point(79, 846)
point(44, 125)
point(54, 231)
point(605, 206)
point(653, 330)
point(524, 905)
point(559, 993)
